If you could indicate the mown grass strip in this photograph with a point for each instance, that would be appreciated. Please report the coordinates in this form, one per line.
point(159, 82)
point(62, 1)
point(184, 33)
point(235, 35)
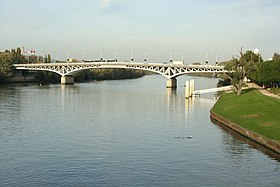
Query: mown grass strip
point(253, 111)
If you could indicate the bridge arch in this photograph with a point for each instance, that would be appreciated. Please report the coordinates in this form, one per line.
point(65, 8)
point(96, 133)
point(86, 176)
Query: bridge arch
point(111, 67)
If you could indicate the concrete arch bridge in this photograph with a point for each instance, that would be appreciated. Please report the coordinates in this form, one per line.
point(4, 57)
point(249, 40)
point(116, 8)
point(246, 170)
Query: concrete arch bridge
point(170, 71)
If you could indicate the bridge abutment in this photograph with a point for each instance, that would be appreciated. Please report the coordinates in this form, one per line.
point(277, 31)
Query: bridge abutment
point(69, 79)
point(171, 83)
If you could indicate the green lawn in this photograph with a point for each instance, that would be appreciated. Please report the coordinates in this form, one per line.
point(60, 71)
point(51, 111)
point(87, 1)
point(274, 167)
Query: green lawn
point(253, 111)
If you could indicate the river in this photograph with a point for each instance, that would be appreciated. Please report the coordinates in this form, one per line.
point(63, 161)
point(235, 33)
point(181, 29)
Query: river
point(122, 133)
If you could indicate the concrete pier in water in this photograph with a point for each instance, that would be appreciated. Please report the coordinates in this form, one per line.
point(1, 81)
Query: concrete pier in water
point(68, 79)
point(189, 89)
point(171, 83)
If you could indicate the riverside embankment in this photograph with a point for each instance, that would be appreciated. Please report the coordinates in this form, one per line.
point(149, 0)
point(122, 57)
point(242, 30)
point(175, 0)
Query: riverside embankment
point(252, 114)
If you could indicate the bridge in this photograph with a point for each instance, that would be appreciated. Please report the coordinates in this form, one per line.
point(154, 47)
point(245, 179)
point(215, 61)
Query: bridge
point(170, 71)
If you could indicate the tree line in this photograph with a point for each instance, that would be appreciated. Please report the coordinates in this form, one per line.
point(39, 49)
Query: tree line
point(7, 59)
point(251, 66)
point(15, 56)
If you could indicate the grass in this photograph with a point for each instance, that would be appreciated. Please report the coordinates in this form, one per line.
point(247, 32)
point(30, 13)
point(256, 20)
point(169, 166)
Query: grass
point(253, 111)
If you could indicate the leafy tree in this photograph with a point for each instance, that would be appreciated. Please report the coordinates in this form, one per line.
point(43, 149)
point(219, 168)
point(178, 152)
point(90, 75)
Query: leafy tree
point(252, 60)
point(6, 65)
point(18, 58)
point(49, 58)
point(268, 73)
point(243, 66)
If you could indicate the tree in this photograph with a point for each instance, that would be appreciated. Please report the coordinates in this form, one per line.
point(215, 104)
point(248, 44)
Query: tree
point(268, 72)
point(18, 58)
point(49, 58)
point(251, 65)
point(6, 65)
point(237, 68)
point(276, 56)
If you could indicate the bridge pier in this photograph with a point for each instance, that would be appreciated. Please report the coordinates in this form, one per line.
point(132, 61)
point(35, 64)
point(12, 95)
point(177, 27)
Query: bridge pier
point(69, 79)
point(189, 89)
point(171, 83)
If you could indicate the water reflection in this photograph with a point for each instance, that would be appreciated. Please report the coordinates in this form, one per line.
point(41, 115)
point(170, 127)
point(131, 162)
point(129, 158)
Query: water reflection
point(66, 94)
point(171, 97)
point(174, 101)
point(236, 145)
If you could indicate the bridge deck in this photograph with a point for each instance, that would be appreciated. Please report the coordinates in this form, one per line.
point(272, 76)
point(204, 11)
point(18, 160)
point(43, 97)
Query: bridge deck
point(168, 70)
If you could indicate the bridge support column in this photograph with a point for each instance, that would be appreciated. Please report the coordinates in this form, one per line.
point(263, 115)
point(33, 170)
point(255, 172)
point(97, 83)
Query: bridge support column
point(69, 79)
point(187, 92)
point(171, 83)
point(189, 88)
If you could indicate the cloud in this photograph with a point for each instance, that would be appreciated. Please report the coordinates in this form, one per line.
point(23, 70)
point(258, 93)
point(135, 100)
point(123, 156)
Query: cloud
point(105, 3)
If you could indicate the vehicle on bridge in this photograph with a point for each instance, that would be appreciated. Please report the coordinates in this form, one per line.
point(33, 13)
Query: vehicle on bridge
point(112, 60)
point(104, 60)
point(90, 60)
point(179, 62)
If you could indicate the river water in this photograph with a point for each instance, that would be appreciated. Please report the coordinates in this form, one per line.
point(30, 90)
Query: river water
point(122, 133)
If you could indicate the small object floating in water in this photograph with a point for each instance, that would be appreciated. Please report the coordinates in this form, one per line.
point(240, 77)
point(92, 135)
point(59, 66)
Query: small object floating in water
point(182, 138)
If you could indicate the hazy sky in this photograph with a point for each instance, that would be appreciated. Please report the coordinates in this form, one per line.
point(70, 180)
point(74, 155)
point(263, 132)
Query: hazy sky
point(195, 26)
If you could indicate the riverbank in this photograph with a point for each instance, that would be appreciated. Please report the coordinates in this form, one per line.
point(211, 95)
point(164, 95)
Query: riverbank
point(21, 79)
point(46, 77)
point(252, 114)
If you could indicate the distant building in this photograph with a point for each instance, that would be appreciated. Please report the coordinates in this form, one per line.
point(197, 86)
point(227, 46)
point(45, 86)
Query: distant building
point(72, 60)
point(26, 52)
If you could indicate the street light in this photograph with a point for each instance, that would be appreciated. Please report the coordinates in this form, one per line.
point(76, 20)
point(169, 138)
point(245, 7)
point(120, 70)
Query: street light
point(82, 55)
point(68, 54)
point(145, 56)
point(101, 58)
point(115, 52)
point(132, 53)
point(216, 54)
point(207, 54)
point(171, 56)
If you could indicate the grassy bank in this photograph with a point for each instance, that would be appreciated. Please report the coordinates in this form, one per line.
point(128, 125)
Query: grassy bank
point(253, 111)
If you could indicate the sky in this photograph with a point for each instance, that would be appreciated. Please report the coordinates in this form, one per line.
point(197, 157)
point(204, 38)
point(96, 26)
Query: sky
point(84, 28)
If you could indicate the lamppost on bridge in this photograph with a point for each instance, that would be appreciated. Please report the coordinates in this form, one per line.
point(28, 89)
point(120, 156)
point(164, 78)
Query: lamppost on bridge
point(55, 56)
point(68, 55)
point(115, 53)
point(216, 54)
point(101, 58)
point(207, 54)
point(132, 53)
point(145, 56)
point(171, 56)
point(182, 53)
point(82, 55)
